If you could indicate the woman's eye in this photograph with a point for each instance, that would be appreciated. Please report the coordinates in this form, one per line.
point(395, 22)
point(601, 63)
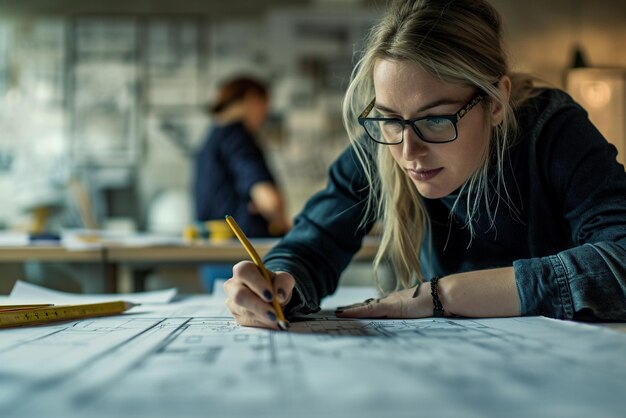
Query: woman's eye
point(392, 125)
point(437, 121)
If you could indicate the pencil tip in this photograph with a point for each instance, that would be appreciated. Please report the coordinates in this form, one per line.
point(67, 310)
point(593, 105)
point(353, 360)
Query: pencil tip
point(284, 325)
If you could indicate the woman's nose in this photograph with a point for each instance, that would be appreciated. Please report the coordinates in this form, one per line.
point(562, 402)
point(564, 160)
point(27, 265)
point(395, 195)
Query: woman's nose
point(412, 146)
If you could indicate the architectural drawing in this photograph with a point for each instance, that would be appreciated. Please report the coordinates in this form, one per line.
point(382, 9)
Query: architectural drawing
point(191, 359)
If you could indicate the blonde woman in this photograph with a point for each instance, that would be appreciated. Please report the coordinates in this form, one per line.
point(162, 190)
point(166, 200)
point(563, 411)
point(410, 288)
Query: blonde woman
point(496, 198)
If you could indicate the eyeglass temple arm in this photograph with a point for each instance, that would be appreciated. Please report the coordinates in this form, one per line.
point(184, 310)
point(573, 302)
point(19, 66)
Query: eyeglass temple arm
point(368, 109)
point(477, 98)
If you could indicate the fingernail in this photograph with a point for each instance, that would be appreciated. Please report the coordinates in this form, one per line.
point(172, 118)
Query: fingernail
point(268, 295)
point(281, 295)
point(354, 305)
point(271, 315)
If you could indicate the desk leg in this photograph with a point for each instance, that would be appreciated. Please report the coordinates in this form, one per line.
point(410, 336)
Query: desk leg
point(109, 277)
point(139, 278)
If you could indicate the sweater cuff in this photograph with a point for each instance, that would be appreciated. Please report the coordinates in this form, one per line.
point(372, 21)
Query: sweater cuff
point(543, 287)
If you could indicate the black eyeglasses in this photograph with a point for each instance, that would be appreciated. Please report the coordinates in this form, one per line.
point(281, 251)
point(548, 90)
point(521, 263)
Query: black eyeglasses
point(433, 129)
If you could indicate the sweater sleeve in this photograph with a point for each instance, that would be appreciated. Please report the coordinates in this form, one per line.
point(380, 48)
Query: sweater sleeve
point(587, 281)
point(325, 236)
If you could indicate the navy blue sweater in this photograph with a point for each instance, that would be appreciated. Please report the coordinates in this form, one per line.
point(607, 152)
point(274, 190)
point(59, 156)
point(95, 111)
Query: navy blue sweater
point(227, 166)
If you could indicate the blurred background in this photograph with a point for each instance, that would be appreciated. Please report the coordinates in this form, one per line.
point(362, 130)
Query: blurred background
point(103, 103)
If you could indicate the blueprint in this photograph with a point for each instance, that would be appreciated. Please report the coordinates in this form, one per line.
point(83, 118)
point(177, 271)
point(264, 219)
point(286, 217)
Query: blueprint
point(190, 359)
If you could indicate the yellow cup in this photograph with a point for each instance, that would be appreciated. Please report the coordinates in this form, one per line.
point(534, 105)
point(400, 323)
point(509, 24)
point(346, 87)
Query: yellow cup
point(190, 233)
point(219, 231)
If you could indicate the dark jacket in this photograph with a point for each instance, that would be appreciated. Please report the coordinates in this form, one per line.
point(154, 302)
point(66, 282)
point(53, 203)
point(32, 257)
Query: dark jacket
point(564, 232)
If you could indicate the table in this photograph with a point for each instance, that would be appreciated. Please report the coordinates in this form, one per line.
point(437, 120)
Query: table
point(48, 253)
point(206, 252)
point(141, 260)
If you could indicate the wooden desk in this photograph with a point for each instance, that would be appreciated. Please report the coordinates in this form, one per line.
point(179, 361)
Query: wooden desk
point(224, 252)
point(58, 254)
point(49, 254)
point(141, 261)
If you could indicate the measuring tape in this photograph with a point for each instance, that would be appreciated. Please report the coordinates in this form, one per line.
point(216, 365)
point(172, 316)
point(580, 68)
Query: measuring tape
point(17, 317)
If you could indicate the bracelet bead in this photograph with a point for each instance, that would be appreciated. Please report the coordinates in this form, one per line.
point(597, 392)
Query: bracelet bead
point(438, 307)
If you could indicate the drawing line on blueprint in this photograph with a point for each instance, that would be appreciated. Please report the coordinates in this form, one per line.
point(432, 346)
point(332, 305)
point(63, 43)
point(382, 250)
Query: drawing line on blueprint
point(207, 360)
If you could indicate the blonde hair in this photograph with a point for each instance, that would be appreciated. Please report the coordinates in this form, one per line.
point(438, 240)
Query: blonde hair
point(457, 41)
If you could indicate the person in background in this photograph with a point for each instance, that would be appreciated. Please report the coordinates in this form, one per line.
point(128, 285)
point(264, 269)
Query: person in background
point(231, 175)
point(497, 198)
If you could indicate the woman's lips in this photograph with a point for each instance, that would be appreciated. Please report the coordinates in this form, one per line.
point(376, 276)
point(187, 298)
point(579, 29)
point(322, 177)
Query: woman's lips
point(423, 174)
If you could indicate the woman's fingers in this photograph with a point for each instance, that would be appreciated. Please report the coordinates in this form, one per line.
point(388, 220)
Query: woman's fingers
point(396, 305)
point(252, 277)
point(371, 308)
point(283, 287)
point(250, 294)
point(247, 308)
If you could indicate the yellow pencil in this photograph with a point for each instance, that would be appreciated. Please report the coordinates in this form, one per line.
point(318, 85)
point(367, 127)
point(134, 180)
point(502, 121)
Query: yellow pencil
point(282, 322)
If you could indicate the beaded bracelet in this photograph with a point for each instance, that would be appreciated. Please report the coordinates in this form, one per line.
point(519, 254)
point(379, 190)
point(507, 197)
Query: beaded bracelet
point(438, 309)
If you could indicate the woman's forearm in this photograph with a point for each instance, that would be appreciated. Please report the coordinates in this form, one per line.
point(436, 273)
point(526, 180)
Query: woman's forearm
point(482, 293)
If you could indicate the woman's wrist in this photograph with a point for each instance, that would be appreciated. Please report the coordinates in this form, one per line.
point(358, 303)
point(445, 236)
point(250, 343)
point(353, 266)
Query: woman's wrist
point(425, 303)
point(480, 293)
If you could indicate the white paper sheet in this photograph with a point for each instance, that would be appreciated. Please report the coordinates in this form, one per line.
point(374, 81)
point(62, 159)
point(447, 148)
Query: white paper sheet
point(348, 296)
point(190, 359)
point(81, 239)
point(14, 239)
point(24, 292)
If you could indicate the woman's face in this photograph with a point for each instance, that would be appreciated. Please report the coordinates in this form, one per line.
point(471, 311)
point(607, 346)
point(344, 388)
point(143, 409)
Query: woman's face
point(404, 90)
point(256, 108)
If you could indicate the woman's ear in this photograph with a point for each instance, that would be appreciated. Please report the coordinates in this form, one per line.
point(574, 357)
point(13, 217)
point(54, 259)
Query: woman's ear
point(497, 110)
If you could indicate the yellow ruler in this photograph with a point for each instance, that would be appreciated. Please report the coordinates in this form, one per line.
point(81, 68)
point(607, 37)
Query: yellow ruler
point(17, 317)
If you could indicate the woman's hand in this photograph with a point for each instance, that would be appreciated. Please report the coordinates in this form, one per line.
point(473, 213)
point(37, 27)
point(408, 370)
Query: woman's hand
point(476, 294)
point(250, 295)
point(402, 304)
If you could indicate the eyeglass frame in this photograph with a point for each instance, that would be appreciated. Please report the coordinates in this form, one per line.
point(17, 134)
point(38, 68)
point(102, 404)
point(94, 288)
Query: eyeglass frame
point(454, 118)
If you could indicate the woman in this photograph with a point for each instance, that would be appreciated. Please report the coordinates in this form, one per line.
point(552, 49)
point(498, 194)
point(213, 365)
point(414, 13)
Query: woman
point(231, 175)
point(502, 195)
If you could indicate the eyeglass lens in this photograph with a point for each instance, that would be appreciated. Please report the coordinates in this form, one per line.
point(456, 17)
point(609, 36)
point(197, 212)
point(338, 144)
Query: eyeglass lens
point(391, 131)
